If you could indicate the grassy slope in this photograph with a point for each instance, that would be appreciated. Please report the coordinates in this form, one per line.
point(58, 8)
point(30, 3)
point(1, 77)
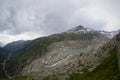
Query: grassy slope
point(107, 70)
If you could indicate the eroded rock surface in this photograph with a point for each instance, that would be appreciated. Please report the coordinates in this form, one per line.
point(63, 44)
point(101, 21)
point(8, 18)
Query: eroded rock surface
point(65, 57)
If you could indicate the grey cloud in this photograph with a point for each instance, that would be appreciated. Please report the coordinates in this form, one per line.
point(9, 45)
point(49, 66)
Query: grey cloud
point(32, 16)
point(50, 16)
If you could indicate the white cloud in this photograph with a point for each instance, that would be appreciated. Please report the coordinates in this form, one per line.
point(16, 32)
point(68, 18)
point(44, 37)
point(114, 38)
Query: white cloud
point(24, 36)
point(21, 18)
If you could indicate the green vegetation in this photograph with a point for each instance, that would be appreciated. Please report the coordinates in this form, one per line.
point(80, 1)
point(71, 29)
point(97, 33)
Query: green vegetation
point(107, 70)
point(1, 70)
point(53, 77)
point(2, 56)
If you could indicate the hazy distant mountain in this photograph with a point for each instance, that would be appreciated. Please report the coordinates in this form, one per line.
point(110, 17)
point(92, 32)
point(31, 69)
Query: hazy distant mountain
point(1, 45)
point(77, 54)
point(15, 46)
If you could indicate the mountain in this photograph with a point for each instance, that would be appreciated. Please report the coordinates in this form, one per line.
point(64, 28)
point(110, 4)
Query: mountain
point(77, 54)
point(11, 47)
point(110, 34)
point(0, 54)
point(2, 57)
point(79, 28)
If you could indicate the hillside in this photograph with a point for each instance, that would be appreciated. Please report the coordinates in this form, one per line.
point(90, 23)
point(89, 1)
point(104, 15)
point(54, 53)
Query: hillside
point(108, 68)
point(77, 54)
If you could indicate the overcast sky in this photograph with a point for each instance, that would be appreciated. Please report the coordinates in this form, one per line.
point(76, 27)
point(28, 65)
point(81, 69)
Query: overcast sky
point(29, 19)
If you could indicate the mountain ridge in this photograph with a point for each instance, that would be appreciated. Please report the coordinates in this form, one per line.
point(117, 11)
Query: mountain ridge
point(81, 28)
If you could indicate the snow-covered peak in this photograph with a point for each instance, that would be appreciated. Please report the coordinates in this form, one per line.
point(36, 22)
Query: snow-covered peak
point(81, 29)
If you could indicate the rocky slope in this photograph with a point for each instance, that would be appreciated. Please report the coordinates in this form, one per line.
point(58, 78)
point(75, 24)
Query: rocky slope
point(73, 51)
point(72, 55)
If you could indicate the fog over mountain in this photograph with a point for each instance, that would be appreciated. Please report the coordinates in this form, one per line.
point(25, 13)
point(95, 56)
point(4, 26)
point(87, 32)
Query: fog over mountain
point(29, 19)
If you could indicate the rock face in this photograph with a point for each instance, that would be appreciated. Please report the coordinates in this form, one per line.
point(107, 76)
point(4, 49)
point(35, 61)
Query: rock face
point(67, 56)
point(71, 56)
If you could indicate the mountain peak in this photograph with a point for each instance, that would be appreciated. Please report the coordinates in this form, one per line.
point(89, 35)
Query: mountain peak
point(79, 27)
